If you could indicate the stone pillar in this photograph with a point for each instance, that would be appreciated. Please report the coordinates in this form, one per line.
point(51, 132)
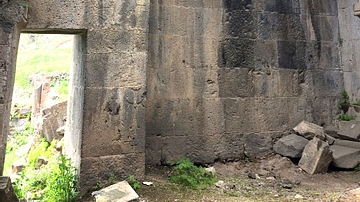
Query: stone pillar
point(10, 24)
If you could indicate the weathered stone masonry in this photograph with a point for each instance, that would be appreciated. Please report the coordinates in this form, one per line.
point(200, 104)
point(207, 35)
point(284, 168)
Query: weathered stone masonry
point(211, 80)
point(227, 77)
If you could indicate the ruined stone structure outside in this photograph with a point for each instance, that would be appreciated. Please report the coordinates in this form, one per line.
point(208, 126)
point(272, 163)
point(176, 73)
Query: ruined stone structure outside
point(212, 80)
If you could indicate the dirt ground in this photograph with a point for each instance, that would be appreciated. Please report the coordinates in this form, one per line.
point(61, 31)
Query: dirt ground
point(272, 179)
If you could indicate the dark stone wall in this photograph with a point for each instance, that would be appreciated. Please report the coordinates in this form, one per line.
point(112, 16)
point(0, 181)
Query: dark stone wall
point(226, 78)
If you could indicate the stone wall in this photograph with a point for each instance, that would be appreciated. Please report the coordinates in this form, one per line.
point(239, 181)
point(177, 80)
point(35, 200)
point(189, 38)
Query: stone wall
point(106, 134)
point(350, 48)
point(228, 77)
point(223, 80)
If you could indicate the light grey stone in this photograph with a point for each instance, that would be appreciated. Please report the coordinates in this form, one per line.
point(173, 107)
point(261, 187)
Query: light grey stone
point(347, 143)
point(291, 146)
point(310, 130)
point(349, 130)
point(53, 118)
point(316, 157)
point(345, 157)
point(119, 192)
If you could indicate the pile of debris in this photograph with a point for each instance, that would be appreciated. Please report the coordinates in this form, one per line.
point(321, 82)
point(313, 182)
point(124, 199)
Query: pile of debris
point(319, 147)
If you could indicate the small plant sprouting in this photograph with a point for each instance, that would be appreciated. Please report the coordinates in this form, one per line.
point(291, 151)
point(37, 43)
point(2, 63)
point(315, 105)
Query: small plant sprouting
point(185, 173)
point(345, 117)
point(112, 179)
point(357, 168)
point(357, 103)
point(345, 99)
point(134, 183)
point(246, 160)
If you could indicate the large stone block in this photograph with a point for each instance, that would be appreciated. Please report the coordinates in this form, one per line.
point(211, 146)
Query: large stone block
point(349, 130)
point(347, 143)
point(310, 130)
point(242, 24)
point(236, 83)
point(54, 117)
point(116, 70)
point(345, 157)
point(237, 53)
point(100, 169)
point(257, 145)
point(291, 146)
point(112, 122)
point(316, 157)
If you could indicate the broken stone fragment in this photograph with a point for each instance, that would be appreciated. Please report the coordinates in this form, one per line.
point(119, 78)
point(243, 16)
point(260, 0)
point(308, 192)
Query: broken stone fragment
point(41, 161)
point(290, 146)
point(316, 157)
point(18, 166)
point(349, 130)
point(350, 196)
point(119, 192)
point(310, 130)
point(344, 157)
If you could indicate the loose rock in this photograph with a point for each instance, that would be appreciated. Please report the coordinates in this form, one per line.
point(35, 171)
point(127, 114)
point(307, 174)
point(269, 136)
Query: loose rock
point(121, 191)
point(310, 130)
point(349, 130)
point(290, 146)
point(316, 157)
point(344, 157)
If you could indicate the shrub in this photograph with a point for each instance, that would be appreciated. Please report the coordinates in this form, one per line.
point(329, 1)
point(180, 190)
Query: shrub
point(55, 181)
point(185, 173)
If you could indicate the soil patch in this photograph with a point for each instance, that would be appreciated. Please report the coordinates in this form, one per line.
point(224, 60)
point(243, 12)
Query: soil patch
point(272, 179)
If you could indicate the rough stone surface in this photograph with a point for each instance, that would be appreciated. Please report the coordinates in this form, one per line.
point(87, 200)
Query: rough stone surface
point(332, 131)
point(119, 192)
point(257, 146)
point(344, 157)
point(190, 74)
point(349, 130)
point(316, 157)
point(291, 146)
point(7, 193)
point(310, 130)
point(52, 119)
point(347, 143)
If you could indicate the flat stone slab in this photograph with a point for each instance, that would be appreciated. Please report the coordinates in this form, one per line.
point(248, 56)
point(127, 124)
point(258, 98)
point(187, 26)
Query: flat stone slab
point(309, 130)
point(316, 157)
point(119, 192)
point(344, 157)
point(349, 130)
point(347, 143)
point(291, 146)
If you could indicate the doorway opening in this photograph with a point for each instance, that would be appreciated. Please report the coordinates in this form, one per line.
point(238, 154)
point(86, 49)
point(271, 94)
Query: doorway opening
point(47, 99)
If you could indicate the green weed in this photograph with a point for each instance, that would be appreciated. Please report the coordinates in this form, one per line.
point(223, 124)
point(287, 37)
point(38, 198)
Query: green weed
point(345, 117)
point(134, 183)
point(55, 181)
point(185, 173)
